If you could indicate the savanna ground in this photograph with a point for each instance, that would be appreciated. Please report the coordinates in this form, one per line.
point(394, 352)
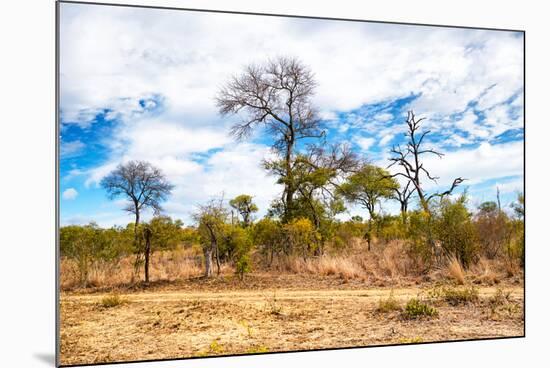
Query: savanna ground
point(328, 302)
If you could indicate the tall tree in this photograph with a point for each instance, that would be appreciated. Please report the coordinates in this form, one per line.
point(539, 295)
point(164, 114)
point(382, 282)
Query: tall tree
point(143, 185)
point(276, 95)
point(409, 159)
point(245, 207)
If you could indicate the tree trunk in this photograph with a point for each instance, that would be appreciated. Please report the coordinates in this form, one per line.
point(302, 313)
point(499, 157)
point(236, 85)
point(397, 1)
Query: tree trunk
point(289, 186)
point(208, 261)
point(218, 259)
point(147, 234)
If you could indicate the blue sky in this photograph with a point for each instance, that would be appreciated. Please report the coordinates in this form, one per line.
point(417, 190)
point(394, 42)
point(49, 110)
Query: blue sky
point(140, 84)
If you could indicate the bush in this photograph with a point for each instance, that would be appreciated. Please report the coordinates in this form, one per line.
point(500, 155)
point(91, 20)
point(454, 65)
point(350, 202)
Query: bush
point(493, 229)
point(88, 245)
point(419, 248)
point(456, 295)
point(301, 237)
point(454, 229)
point(389, 304)
point(416, 309)
point(268, 236)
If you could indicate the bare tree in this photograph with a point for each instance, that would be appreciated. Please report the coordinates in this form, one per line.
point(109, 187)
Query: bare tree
point(410, 161)
point(277, 96)
point(144, 186)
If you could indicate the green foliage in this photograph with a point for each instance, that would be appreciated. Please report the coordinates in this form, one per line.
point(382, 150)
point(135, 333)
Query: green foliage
point(418, 232)
point(268, 235)
point(368, 186)
point(389, 304)
point(301, 237)
point(453, 227)
point(455, 295)
point(417, 309)
point(245, 207)
point(390, 228)
point(90, 244)
point(519, 206)
point(166, 233)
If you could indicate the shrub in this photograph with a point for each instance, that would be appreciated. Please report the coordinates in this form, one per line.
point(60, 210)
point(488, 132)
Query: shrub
point(301, 237)
point(268, 236)
point(243, 266)
point(493, 229)
point(112, 300)
point(419, 248)
point(456, 296)
point(389, 304)
point(416, 309)
point(453, 227)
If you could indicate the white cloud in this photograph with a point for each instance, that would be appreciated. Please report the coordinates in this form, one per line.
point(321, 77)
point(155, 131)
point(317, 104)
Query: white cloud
point(112, 52)
point(385, 140)
point(69, 194)
point(477, 165)
point(364, 143)
point(71, 149)
point(122, 59)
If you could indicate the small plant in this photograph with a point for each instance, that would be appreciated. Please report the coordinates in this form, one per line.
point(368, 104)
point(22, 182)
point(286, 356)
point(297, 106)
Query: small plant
point(500, 298)
point(455, 295)
point(417, 309)
point(247, 326)
point(112, 300)
point(273, 306)
point(257, 349)
point(216, 348)
point(389, 304)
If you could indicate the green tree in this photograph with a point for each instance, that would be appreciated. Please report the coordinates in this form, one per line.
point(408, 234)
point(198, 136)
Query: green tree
point(267, 234)
point(245, 207)
point(160, 233)
point(367, 187)
point(212, 220)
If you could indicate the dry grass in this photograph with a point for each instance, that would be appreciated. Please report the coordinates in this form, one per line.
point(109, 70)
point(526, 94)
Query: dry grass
point(387, 264)
point(455, 271)
point(176, 324)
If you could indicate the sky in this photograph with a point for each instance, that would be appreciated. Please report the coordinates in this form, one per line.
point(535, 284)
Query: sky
point(139, 84)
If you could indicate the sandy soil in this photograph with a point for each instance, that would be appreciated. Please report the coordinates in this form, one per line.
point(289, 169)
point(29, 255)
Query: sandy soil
point(159, 322)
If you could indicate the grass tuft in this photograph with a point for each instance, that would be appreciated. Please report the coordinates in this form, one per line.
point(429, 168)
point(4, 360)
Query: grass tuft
point(455, 270)
point(417, 309)
point(112, 300)
point(389, 304)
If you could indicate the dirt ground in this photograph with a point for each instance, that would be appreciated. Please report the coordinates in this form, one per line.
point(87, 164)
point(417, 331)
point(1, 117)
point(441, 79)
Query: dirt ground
point(219, 318)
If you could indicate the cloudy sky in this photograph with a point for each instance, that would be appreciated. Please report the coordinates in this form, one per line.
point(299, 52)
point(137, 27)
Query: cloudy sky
point(140, 84)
